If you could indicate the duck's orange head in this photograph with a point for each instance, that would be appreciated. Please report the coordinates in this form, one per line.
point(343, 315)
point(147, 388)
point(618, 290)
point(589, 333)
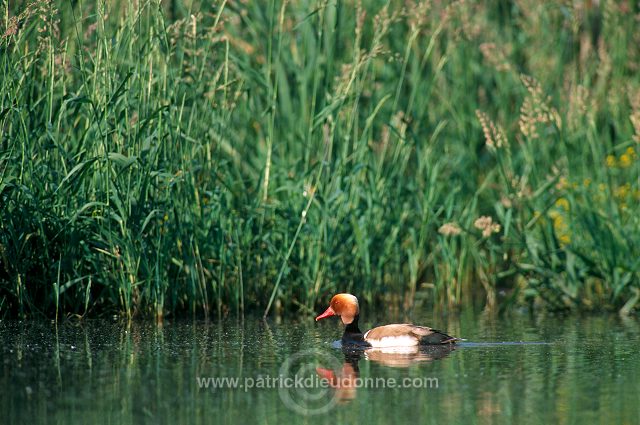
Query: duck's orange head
point(343, 305)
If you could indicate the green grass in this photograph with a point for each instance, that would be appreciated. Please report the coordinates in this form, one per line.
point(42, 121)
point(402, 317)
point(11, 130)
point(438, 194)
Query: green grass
point(208, 159)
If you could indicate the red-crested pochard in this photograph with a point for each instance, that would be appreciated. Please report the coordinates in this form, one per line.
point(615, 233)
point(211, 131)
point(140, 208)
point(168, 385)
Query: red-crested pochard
point(399, 335)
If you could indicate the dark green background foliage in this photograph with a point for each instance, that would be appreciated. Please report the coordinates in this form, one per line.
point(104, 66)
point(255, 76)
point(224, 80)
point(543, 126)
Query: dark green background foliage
point(162, 158)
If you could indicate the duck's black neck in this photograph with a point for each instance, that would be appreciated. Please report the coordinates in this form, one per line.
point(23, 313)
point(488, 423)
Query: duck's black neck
point(352, 328)
point(352, 335)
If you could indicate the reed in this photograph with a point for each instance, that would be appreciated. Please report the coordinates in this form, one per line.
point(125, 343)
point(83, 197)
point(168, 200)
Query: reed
point(216, 157)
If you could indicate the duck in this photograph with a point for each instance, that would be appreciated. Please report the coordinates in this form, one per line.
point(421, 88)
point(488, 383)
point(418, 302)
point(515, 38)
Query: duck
point(398, 335)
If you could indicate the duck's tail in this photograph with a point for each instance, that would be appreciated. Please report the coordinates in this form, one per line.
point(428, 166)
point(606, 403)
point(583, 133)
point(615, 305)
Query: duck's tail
point(438, 338)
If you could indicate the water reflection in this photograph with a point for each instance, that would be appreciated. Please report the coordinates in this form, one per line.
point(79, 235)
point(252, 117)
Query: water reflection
point(109, 371)
point(408, 356)
point(343, 381)
point(347, 380)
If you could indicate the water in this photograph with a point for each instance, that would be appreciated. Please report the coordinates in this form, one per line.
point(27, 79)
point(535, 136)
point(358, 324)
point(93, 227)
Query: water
point(580, 370)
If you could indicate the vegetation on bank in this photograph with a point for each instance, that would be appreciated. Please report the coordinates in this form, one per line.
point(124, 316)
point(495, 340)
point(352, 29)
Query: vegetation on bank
point(183, 157)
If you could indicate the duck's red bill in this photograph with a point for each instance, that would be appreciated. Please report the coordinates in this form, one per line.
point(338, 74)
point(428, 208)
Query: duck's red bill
point(327, 313)
point(326, 374)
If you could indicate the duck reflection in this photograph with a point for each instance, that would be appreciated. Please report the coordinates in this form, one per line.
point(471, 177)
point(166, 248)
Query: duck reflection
point(408, 356)
point(345, 381)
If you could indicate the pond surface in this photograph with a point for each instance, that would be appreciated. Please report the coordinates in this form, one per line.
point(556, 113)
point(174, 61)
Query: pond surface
point(581, 369)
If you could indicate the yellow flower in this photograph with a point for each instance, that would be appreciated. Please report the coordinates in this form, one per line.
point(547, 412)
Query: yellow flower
point(558, 221)
point(631, 152)
point(562, 183)
point(564, 239)
point(623, 191)
point(625, 160)
point(561, 229)
point(562, 203)
point(586, 182)
point(611, 161)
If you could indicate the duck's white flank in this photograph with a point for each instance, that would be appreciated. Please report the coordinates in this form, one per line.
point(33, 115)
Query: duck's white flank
point(392, 341)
